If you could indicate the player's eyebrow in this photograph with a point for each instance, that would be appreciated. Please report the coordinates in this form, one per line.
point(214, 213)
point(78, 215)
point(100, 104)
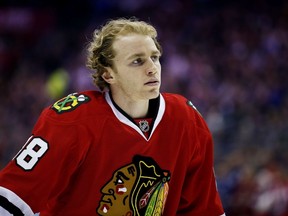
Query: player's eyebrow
point(138, 55)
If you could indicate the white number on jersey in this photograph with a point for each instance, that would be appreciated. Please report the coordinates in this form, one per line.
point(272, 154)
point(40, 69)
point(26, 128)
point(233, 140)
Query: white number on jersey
point(31, 153)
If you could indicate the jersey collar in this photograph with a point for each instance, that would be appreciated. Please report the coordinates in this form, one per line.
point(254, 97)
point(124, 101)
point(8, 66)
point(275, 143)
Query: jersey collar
point(125, 119)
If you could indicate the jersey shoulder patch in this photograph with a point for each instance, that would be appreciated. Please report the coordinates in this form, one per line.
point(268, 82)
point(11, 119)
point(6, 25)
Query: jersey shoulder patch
point(70, 103)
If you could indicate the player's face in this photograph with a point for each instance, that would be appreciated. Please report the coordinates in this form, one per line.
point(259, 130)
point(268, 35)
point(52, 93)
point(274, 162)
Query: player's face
point(117, 192)
point(136, 68)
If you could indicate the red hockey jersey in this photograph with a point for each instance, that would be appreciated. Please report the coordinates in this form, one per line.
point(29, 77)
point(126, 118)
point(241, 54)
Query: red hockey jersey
point(85, 157)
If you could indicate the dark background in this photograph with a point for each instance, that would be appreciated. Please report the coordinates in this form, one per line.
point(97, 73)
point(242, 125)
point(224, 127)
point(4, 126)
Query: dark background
point(229, 58)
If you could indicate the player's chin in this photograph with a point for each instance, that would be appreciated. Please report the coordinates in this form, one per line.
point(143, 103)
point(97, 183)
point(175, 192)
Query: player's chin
point(154, 94)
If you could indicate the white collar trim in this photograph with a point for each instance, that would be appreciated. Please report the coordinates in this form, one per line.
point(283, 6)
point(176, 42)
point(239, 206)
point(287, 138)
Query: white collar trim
point(126, 121)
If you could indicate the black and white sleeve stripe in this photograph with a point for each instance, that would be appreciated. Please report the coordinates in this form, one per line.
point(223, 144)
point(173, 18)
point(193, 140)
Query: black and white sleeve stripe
point(11, 204)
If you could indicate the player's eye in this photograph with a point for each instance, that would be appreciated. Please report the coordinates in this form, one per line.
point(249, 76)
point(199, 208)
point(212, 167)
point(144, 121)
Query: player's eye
point(155, 58)
point(138, 61)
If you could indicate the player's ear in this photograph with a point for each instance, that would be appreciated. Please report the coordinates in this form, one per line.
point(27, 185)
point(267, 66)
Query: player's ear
point(108, 75)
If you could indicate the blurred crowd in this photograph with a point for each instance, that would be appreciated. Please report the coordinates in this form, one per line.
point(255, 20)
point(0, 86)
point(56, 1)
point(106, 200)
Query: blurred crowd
point(230, 58)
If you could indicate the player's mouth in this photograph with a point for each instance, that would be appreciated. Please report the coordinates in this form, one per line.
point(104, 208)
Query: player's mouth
point(152, 82)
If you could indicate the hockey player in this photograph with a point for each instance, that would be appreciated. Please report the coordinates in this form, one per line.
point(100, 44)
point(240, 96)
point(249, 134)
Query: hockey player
point(125, 150)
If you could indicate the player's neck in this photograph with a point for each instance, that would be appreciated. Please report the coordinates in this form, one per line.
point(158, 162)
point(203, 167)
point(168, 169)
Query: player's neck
point(135, 109)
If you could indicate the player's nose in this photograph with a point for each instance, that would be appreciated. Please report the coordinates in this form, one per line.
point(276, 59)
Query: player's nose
point(151, 67)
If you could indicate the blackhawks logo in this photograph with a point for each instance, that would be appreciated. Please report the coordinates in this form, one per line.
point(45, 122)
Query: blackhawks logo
point(70, 102)
point(138, 188)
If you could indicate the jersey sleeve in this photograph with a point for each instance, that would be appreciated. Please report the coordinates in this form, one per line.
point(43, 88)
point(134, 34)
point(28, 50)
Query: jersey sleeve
point(42, 168)
point(199, 194)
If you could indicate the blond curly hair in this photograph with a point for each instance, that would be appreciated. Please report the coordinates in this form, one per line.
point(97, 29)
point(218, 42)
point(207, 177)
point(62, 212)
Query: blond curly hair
point(100, 51)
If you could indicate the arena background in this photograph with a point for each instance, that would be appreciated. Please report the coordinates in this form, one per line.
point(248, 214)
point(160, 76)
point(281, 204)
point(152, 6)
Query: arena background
point(229, 57)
